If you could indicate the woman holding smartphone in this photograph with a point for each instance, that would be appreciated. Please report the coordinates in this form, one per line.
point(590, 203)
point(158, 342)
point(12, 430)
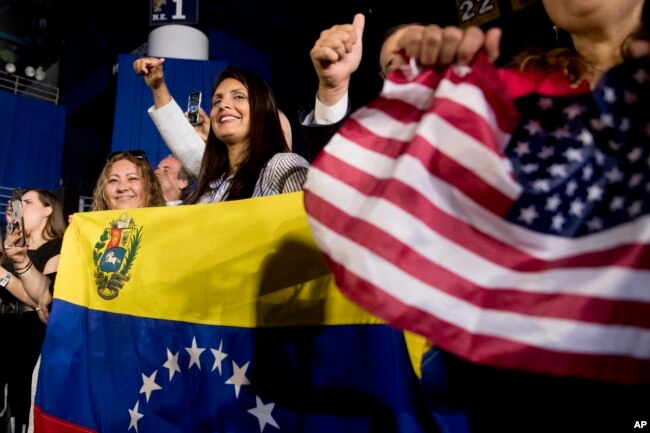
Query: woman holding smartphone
point(27, 276)
point(246, 154)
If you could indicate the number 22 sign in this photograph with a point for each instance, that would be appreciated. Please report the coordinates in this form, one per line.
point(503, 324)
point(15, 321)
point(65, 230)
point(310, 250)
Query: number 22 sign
point(477, 12)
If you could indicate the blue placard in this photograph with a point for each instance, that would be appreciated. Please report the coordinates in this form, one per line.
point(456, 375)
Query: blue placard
point(174, 12)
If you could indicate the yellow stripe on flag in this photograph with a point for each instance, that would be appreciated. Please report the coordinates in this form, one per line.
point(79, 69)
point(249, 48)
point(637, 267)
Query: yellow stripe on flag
point(246, 263)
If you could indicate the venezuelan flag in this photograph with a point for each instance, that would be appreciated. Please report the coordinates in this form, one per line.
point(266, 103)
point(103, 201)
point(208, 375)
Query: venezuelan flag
point(215, 318)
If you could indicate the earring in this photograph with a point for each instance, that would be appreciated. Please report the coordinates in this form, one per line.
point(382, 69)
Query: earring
point(557, 33)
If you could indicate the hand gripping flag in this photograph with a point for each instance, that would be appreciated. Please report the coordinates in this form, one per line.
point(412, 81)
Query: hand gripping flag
point(214, 318)
point(501, 215)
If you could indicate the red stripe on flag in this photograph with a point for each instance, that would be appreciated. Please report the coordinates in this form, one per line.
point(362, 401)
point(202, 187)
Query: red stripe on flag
point(45, 423)
point(511, 299)
point(493, 351)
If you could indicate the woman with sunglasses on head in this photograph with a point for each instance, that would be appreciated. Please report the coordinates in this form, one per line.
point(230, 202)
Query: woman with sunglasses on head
point(27, 276)
point(246, 154)
point(127, 181)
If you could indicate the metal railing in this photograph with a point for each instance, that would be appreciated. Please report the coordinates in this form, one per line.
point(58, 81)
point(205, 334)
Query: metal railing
point(25, 86)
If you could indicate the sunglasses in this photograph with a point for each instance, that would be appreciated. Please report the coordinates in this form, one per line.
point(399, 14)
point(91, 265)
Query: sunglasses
point(136, 153)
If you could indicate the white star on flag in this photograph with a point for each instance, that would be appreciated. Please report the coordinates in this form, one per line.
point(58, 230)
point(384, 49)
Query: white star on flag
point(219, 355)
point(263, 413)
point(195, 353)
point(238, 377)
point(149, 384)
point(135, 417)
point(172, 364)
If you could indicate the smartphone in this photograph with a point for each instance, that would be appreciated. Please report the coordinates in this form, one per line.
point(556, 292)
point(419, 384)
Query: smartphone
point(17, 215)
point(193, 104)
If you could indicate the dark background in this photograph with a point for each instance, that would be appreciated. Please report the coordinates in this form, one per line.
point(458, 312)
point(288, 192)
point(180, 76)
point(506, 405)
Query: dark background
point(78, 42)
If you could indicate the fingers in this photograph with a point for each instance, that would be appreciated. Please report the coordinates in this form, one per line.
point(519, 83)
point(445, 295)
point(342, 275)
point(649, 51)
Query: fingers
point(339, 40)
point(436, 46)
point(144, 65)
point(359, 23)
point(492, 43)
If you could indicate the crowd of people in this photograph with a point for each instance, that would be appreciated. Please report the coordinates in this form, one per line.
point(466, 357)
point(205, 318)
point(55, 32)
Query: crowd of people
point(242, 149)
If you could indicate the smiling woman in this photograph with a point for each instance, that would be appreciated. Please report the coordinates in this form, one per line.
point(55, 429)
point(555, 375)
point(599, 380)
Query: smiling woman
point(127, 181)
point(239, 151)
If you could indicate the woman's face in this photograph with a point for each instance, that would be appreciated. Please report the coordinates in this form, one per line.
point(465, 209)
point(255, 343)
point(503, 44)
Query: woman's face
point(230, 115)
point(34, 213)
point(124, 188)
point(583, 16)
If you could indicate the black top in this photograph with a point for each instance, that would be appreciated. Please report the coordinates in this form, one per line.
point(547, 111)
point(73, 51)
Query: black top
point(39, 257)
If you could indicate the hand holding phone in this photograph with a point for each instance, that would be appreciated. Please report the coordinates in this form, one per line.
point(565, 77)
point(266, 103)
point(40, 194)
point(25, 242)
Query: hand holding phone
point(17, 216)
point(193, 104)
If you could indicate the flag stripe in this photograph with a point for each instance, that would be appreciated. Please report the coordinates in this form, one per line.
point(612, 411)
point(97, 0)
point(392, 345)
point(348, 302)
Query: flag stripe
point(491, 350)
point(575, 336)
point(420, 230)
point(482, 288)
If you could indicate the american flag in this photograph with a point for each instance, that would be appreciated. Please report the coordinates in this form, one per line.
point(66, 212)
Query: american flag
point(500, 214)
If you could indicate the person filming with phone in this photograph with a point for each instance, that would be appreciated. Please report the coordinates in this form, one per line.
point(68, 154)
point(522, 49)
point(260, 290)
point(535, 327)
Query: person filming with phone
point(28, 264)
point(246, 153)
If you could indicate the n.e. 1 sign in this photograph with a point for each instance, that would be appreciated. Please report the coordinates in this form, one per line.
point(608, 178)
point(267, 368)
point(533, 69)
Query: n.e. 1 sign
point(174, 12)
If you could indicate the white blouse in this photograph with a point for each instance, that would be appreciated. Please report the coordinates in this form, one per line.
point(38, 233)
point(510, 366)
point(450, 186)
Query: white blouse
point(284, 172)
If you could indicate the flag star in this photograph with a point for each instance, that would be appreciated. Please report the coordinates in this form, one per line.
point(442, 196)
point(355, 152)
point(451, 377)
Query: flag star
point(172, 364)
point(617, 203)
point(522, 148)
point(635, 180)
point(614, 145)
point(571, 187)
point(595, 192)
point(542, 185)
point(562, 132)
point(595, 224)
point(135, 417)
point(587, 172)
point(631, 97)
point(624, 125)
point(533, 127)
point(558, 170)
point(553, 202)
point(635, 208)
point(635, 154)
point(576, 208)
point(149, 384)
point(238, 377)
point(641, 76)
point(614, 175)
point(529, 168)
point(607, 120)
point(546, 152)
point(219, 355)
point(573, 111)
point(600, 157)
point(597, 124)
point(585, 137)
point(528, 214)
point(263, 413)
point(545, 103)
point(557, 222)
point(573, 155)
point(609, 95)
point(195, 354)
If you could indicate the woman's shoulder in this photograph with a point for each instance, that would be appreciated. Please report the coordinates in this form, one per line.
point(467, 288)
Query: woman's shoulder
point(287, 159)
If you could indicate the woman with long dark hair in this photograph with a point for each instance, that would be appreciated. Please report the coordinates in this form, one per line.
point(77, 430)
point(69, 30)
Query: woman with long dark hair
point(246, 154)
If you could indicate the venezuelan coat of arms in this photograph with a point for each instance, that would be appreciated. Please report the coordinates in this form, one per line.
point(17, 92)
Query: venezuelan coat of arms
point(114, 255)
